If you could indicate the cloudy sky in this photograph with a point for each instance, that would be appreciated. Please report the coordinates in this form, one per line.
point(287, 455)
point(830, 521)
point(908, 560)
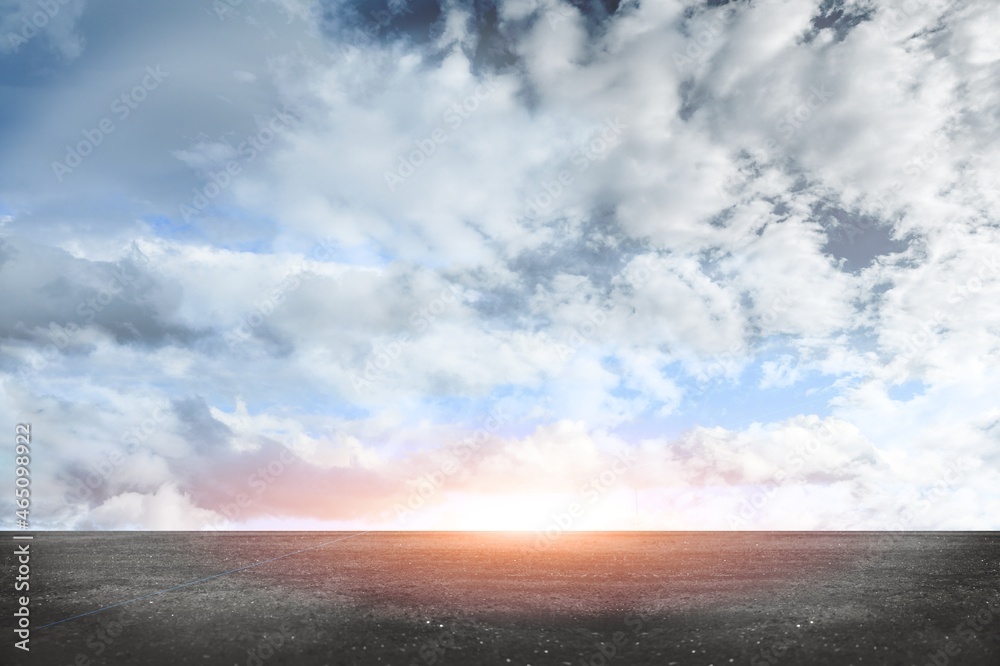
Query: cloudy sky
point(528, 264)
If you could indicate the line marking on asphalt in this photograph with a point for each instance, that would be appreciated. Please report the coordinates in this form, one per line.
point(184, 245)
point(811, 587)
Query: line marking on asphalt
point(200, 580)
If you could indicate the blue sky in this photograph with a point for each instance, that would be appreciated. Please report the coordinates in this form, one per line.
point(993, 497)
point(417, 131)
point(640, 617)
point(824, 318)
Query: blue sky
point(746, 245)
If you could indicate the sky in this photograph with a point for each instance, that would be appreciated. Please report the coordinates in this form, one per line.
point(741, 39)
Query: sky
point(527, 264)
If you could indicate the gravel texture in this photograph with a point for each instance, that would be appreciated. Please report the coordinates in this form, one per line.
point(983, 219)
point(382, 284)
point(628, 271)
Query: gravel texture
point(431, 599)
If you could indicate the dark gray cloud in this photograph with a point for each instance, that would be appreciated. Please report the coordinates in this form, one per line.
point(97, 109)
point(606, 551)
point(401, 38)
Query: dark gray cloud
point(858, 240)
point(53, 297)
point(198, 426)
point(840, 18)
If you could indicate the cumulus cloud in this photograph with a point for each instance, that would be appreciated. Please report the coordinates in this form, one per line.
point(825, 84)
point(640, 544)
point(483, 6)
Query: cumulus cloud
point(750, 247)
point(165, 509)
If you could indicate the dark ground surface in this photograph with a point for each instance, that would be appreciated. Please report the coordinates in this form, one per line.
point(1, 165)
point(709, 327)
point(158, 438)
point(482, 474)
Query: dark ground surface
point(699, 598)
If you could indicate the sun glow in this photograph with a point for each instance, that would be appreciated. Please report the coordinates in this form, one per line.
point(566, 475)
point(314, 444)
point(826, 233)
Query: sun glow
point(496, 512)
point(532, 512)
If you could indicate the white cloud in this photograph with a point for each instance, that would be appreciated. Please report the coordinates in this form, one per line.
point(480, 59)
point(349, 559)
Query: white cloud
point(165, 509)
point(635, 211)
